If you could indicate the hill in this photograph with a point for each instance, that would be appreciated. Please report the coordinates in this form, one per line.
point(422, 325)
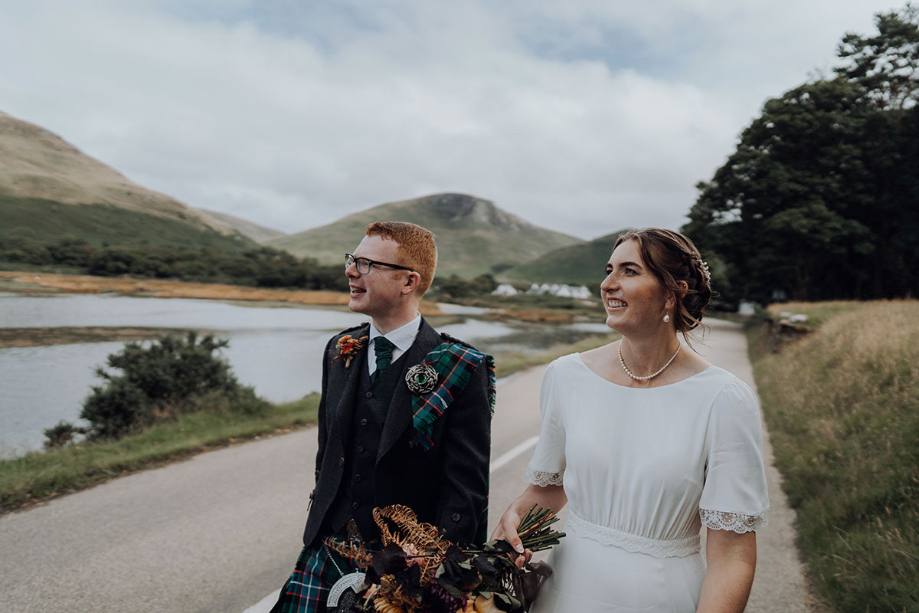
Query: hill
point(473, 235)
point(51, 190)
point(580, 264)
point(259, 234)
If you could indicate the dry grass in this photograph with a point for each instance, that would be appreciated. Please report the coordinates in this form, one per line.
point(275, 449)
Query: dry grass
point(843, 410)
point(156, 288)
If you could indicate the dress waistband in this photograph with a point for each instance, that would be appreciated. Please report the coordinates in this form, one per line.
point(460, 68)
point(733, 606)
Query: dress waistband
point(674, 548)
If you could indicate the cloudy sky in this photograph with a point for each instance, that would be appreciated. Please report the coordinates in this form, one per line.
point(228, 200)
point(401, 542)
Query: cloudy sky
point(584, 116)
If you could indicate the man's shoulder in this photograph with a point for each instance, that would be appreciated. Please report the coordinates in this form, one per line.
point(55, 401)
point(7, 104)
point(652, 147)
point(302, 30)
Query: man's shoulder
point(446, 338)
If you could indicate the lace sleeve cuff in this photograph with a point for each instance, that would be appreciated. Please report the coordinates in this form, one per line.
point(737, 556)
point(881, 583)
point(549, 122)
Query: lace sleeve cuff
point(542, 479)
point(735, 522)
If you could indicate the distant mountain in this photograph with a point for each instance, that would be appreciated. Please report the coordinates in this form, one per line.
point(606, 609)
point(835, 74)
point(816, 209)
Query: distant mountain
point(581, 264)
point(49, 189)
point(473, 235)
point(259, 234)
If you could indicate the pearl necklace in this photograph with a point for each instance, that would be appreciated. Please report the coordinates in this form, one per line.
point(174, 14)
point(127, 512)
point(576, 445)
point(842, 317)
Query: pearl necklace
point(637, 378)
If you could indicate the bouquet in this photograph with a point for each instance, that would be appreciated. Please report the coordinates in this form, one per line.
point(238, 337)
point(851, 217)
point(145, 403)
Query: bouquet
point(418, 571)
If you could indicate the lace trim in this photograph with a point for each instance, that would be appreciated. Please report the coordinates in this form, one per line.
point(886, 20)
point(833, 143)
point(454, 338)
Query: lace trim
point(537, 477)
point(735, 522)
point(675, 548)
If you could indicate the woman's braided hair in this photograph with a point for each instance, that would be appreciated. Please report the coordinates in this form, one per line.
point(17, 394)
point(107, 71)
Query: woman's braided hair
point(672, 258)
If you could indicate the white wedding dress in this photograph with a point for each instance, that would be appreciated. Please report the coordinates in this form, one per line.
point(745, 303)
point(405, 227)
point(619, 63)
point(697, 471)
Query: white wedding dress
point(644, 469)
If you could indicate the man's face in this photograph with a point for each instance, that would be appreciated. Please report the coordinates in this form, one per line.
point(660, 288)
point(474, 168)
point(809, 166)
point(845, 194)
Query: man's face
point(378, 293)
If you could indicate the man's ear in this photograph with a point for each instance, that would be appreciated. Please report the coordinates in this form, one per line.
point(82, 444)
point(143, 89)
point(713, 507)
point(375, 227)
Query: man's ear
point(412, 283)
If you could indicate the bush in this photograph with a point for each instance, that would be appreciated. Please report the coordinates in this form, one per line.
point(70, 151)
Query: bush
point(160, 381)
point(60, 434)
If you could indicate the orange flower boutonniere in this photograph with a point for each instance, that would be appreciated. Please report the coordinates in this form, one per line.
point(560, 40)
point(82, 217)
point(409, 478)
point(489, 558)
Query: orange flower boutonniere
point(348, 346)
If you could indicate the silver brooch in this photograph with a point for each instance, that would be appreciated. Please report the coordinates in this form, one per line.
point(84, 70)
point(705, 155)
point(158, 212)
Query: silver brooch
point(421, 378)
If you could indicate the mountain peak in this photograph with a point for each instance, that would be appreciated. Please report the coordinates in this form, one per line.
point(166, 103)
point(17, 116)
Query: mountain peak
point(473, 235)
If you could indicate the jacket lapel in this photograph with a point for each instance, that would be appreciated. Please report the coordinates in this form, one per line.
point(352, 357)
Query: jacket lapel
point(399, 415)
point(347, 380)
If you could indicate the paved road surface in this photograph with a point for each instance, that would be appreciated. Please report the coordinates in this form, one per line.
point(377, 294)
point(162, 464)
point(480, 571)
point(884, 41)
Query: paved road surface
point(222, 530)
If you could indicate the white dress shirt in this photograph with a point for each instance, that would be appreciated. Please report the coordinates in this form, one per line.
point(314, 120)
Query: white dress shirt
point(402, 338)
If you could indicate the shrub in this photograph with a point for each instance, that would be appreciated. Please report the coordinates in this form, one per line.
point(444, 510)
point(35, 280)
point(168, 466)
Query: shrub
point(160, 381)
point(60, 434)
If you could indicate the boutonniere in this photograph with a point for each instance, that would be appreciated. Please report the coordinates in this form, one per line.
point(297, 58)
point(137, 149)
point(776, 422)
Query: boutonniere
point(348, 347)
point(421, 378)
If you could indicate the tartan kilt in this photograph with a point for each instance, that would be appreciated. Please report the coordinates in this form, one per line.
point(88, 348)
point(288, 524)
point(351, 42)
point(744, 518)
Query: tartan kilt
point(307, 588)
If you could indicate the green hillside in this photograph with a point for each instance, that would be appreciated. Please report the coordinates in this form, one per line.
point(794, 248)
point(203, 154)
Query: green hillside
point(473, 235)
point(43, 221)
point(581, 264)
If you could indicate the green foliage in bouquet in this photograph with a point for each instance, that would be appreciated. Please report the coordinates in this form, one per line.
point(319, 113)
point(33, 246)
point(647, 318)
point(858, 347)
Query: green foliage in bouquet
point(418, 571)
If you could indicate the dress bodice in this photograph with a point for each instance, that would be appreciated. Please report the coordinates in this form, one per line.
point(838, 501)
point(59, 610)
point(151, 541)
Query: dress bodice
point(644, 468)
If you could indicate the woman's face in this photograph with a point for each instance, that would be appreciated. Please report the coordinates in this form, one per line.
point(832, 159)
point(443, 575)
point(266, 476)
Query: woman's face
point(634, 299)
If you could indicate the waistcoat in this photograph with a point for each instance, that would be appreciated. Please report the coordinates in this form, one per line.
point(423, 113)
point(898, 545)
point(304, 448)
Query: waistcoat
point(355, 498)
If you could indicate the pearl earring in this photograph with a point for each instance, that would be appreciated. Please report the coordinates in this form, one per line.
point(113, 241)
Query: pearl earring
point(667, 319)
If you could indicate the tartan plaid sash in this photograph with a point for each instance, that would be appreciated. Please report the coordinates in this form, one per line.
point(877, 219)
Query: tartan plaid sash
point(455, 364)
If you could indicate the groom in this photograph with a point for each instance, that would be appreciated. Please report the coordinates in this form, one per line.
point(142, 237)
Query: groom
point(404, 418)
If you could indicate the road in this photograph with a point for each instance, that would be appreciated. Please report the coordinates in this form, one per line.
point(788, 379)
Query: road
point(221, 531)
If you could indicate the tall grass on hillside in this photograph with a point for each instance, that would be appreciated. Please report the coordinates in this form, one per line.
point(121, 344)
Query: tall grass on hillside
point(843, 411)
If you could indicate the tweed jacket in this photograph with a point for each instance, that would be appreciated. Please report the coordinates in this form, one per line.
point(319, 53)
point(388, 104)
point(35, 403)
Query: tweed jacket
point(446, 485)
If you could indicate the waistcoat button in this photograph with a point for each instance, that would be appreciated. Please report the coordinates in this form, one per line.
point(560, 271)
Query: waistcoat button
point(456, 516)
point(355, 505)
point(369, 394)
point(364, 422)
point(357, 478)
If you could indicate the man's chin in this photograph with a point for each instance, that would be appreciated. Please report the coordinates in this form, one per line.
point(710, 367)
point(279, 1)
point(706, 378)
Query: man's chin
point(356, 306)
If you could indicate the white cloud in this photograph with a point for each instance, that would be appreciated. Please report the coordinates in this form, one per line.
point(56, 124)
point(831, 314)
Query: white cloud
point(584, 116)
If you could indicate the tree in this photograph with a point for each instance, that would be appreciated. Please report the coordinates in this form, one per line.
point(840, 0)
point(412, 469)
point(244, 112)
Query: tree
point(819, 200)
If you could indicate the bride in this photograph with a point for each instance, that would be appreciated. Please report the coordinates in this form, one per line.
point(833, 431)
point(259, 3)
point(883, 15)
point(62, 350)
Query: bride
point(647, 442)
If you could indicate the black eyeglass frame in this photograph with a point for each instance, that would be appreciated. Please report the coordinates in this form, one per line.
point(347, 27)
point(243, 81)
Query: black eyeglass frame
point(350, 259)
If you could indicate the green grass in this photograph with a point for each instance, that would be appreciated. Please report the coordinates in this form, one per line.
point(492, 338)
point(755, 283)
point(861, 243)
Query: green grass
point(36, 476)
point(507, 363)
point(842, 406)
point(45, 221)
point(818, 313)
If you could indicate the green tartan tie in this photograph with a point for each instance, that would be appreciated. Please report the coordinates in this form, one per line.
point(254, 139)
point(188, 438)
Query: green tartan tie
point(382, 347)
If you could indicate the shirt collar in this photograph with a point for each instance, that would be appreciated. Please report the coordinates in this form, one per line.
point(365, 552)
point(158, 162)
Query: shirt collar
point(402, 337)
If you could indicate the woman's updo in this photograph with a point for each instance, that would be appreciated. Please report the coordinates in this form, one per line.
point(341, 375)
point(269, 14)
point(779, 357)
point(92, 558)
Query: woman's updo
point(672, 258)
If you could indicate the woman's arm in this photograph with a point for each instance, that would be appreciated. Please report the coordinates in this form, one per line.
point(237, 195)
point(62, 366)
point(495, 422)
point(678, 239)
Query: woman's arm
point(548, 497)
point(731, 559)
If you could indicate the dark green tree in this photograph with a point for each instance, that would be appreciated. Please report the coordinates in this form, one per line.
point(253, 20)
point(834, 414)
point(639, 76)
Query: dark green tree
point(819, 200)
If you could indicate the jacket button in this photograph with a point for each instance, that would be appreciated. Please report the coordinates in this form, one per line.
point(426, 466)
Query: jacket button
point(456, 517)
point(369, 394)
point(355, 505)
point(364, 422)
point(357, 478)
point(341, 461)
point(360, 449)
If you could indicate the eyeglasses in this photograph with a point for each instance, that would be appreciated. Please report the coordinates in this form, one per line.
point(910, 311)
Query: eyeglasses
point(364, 265)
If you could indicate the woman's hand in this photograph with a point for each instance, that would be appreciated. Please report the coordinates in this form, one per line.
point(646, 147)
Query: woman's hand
point(549, 497)
point(507, 530)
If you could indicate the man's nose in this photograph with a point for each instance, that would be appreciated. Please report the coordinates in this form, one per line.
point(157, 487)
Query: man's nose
point(351, 271)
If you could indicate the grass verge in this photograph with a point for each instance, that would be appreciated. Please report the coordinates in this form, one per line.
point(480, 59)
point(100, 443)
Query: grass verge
point(509, 362)
point(842, 406)
point(38, 476)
